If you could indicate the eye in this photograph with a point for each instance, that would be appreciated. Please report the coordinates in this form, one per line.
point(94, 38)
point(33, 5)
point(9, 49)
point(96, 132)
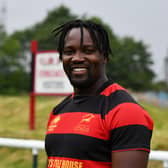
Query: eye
point(89, 50)
point(68, 52)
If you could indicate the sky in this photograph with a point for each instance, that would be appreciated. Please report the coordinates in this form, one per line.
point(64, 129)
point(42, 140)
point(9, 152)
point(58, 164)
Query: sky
point(141, 19)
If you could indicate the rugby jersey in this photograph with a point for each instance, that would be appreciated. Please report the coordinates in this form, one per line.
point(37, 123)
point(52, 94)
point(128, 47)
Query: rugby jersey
point(84, 131)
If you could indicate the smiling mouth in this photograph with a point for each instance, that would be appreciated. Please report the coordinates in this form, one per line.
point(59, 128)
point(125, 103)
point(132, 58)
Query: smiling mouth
point(79, 70)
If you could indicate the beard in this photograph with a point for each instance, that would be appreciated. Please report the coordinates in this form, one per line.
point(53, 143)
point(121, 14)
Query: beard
point(82, 83)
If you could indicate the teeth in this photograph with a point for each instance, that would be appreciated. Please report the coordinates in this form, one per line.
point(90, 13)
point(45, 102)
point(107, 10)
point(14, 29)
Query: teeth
point(79, 69)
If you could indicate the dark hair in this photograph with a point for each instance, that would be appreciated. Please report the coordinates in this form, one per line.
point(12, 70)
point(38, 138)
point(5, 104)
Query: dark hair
point(98, 34)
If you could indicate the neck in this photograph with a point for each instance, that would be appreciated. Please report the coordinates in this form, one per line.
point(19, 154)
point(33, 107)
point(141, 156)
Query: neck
point(90, 91)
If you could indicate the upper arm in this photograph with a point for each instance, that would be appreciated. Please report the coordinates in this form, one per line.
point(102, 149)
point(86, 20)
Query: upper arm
point(130, 159)
point(130, 128)
point(131, 131)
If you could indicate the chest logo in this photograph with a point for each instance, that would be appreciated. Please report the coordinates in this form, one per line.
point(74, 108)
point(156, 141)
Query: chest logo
point(84, 124)
point(54, 123)
point(87, 118)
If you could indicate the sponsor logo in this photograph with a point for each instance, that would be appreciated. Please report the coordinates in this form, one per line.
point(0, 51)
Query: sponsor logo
point(58, 163)
point(54, 123)
point(84, 124)
point(87, 118)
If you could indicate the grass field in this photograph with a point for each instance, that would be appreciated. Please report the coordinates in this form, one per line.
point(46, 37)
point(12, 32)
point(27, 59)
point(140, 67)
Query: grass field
point(14, 123)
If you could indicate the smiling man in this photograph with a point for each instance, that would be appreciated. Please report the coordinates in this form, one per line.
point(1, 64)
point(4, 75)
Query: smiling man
point(82, 61)
point(100, 125)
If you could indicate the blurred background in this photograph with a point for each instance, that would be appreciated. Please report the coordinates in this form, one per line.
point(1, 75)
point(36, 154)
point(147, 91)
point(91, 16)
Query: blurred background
point(139, 41)
point(138, 32)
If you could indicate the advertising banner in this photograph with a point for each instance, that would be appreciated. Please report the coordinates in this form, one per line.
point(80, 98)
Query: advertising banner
point(50, 77)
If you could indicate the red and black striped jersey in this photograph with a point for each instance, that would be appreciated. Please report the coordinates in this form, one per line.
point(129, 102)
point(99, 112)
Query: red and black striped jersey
point(84, 131)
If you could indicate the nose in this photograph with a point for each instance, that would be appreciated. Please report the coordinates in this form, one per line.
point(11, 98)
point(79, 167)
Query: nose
point(78, 57)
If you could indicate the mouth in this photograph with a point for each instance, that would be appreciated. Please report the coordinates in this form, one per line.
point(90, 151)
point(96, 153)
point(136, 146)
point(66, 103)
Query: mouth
point(78, 70)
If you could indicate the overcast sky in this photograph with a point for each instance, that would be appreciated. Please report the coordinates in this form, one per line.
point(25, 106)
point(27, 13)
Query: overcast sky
point(145, 20)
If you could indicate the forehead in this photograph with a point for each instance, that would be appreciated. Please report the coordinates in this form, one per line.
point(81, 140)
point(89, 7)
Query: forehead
point(75, 35)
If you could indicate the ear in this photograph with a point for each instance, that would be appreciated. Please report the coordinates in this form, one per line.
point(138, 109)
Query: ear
point(105, 60)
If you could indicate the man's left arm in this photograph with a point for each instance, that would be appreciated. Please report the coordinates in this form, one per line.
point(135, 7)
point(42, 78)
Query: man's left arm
point(130, 159)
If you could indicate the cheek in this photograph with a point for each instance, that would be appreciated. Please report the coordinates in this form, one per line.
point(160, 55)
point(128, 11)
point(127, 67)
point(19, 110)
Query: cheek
point(65, 62)
point(97, 62)
point(96, 68)
point(97, 59)
point(65, 66)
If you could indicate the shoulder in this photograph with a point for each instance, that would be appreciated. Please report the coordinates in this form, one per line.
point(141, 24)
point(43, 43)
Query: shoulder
point(116, 92)
point(122, 109)
point(111, 88)
point(61, 105)
point(114, 96)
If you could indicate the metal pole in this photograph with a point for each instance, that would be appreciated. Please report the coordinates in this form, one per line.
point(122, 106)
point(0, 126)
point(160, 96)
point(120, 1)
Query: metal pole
point(35, 157)
point(32, 112)
point(34, 47)
point(165, 164)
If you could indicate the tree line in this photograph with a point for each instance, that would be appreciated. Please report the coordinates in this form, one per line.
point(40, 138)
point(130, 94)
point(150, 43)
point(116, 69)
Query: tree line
point(130, 62)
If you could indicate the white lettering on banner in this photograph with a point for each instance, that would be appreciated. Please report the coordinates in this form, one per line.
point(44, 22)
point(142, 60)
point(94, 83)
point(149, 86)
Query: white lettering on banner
point(49, 74)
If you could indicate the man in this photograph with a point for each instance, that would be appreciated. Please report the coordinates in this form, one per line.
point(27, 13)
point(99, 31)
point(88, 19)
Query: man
point(100, 125)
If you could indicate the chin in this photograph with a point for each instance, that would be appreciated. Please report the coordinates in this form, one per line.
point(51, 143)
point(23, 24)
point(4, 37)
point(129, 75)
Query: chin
point(81, 83)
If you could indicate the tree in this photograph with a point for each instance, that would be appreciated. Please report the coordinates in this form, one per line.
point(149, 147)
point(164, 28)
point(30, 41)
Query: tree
point(13, 75)
point(160, 86)
point(42, 31)
point(12, 70)
point(129, 63)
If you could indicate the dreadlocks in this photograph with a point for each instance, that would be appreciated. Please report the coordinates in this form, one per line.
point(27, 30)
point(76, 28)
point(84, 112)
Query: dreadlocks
point(97, 32)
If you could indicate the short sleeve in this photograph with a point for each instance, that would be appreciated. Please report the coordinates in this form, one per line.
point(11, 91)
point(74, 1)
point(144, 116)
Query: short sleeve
point(130, 127)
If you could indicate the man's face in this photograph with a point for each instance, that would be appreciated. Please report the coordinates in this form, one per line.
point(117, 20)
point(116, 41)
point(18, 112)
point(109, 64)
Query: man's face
point(83, 64)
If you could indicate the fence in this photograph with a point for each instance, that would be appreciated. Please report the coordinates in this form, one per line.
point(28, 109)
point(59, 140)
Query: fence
point(36, 145)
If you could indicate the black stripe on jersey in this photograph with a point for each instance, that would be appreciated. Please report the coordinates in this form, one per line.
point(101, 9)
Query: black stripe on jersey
point(78, 146)
point(99, 104)
point(88, 104)
point(120, 96)
point(62, 104)
point(130, 136)
point(104, 86)
point(116, 98)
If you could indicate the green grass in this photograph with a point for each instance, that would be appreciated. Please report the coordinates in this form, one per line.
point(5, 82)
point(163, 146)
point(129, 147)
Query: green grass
point(160, 135)
point(14, 123)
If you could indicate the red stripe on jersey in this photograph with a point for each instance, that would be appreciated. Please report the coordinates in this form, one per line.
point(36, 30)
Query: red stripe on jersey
point(63, 162)
point(133, 149)
point(112, 88)
point(82, 123)
point(128, 114)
